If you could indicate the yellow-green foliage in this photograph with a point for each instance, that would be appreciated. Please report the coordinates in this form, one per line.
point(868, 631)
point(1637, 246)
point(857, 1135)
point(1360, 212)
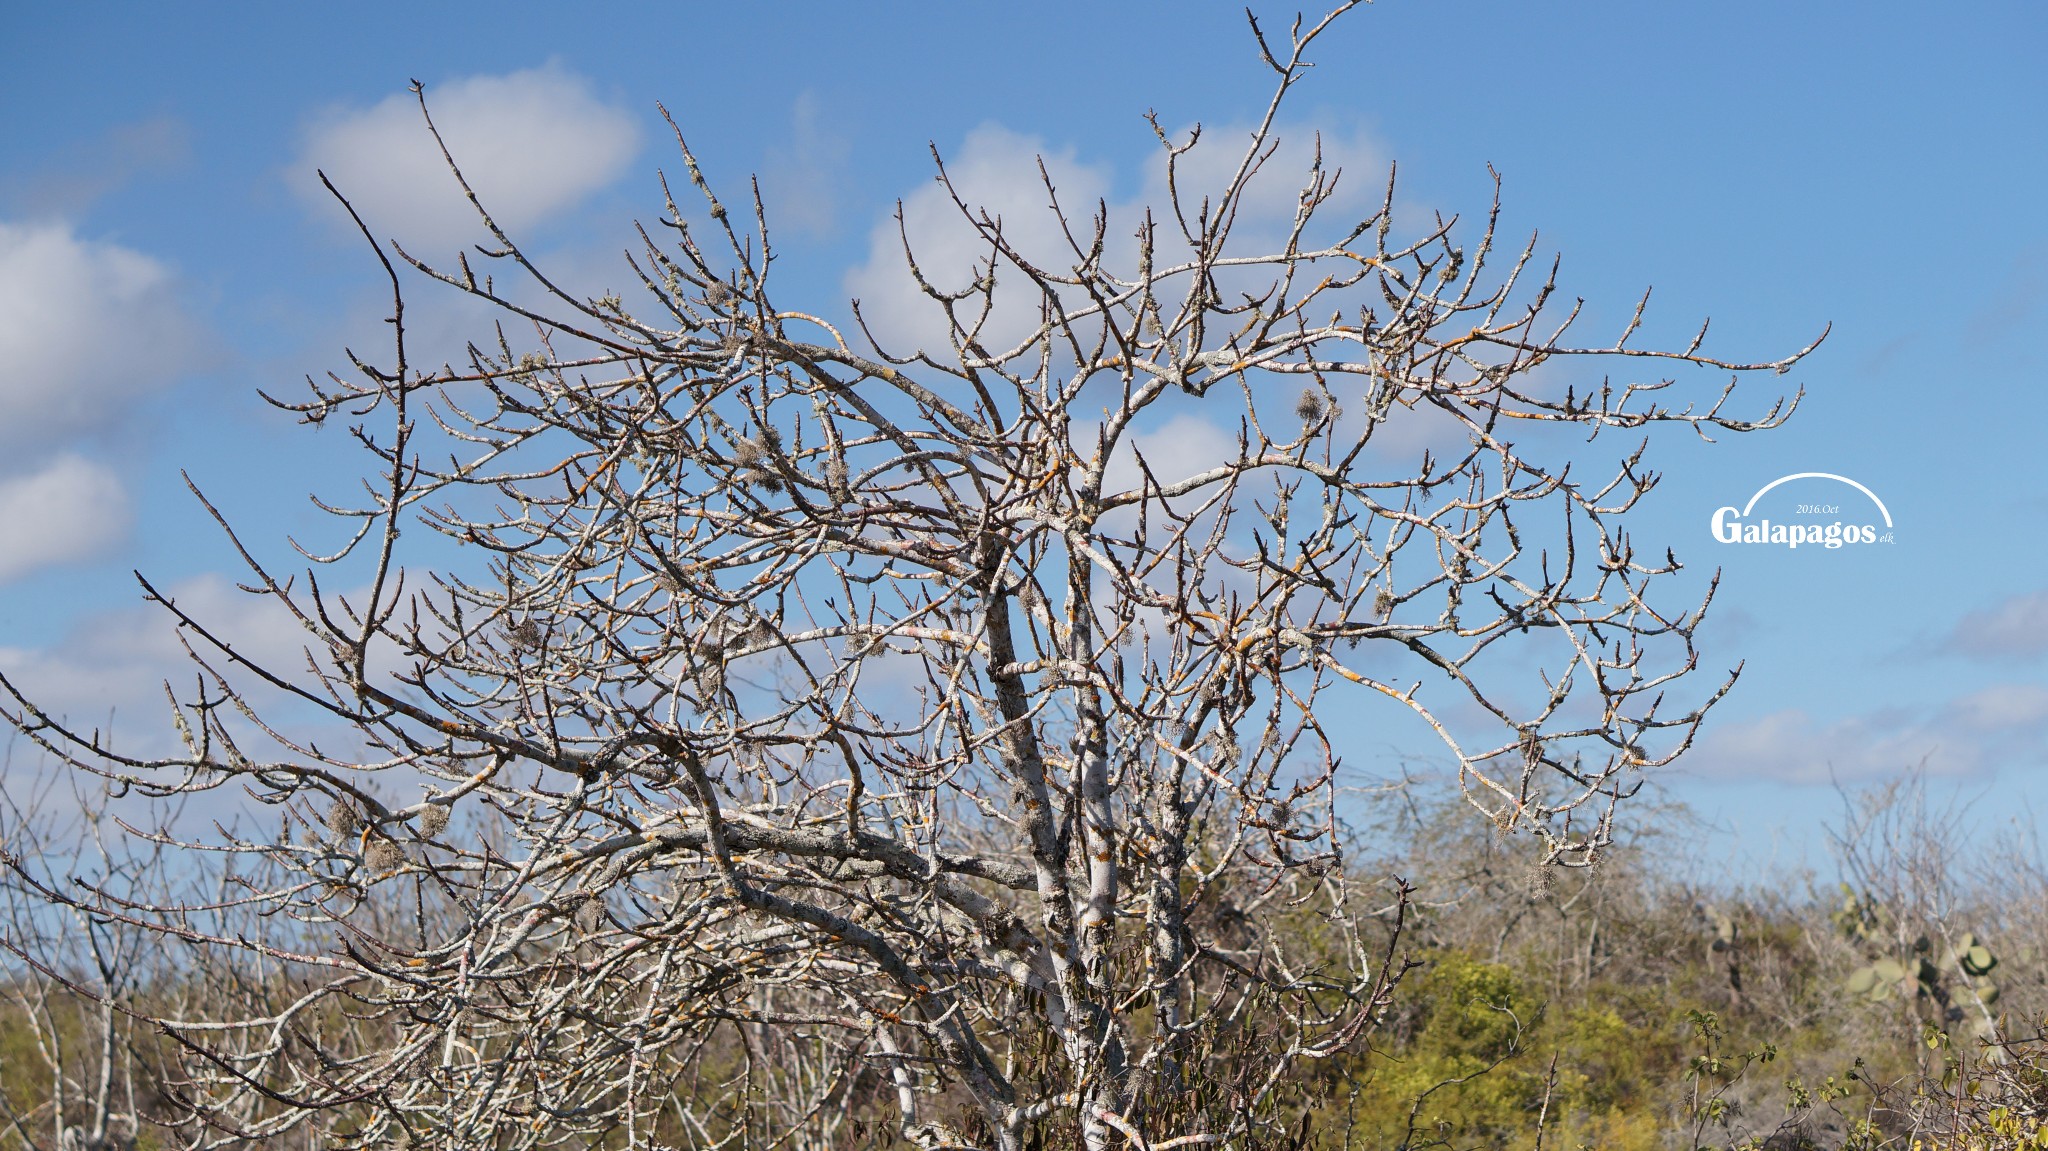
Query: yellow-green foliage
point(1455, 1070)
point(1478, 1058)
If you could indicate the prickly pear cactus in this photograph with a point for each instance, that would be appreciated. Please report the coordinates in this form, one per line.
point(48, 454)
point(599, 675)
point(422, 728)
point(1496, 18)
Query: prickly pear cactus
point(1970, 956)
point(1859, 917)
point(1725, 928)
point(1947, 987)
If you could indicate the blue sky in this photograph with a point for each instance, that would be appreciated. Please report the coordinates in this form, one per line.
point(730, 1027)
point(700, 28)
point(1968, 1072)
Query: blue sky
point(1877, 166)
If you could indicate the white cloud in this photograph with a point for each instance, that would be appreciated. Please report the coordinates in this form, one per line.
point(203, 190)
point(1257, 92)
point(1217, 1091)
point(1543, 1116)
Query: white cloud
point(996, 170)
point(1266, 209)
point(2002, 725)
point(531, 143)
point(86, 328)
point(1183, 446)
point(70, 510)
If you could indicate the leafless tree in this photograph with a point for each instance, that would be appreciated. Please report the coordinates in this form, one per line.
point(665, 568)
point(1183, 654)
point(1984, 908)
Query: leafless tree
point(73, 1064)
point(831, 742)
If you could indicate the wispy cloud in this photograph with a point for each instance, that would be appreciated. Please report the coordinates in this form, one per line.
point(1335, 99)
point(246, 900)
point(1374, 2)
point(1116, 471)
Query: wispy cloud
point(2005, 724)
point(116, 663)
point(2016, 300)
point(2016, 629)
point(68, 184)
point(801, 179)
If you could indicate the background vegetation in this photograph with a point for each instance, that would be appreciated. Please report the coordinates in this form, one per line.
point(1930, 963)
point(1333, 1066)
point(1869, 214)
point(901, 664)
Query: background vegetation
point(1644, 1003)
